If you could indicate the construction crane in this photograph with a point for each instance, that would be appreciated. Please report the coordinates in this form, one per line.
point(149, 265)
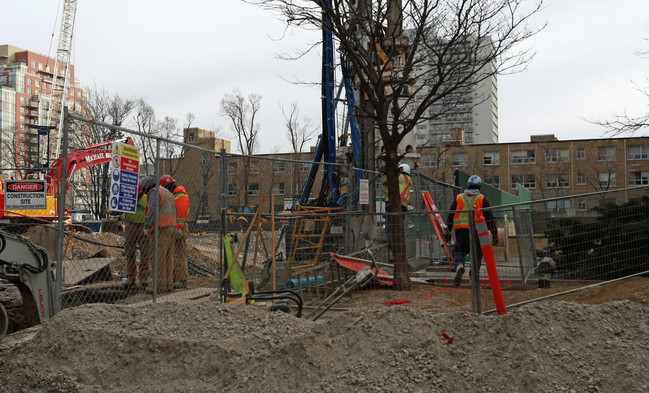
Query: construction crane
point(61, 74)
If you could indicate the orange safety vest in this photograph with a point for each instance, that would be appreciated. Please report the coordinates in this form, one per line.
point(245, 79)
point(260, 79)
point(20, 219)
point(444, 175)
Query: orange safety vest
point(167, 213)
point(404, 190)
point(182, 206)
point(464, 202)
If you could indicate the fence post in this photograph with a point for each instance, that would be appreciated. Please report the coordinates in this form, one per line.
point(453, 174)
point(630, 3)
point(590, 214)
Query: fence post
point(223, 189)
point(475, 270)
point(155, 222)
point(63, 184)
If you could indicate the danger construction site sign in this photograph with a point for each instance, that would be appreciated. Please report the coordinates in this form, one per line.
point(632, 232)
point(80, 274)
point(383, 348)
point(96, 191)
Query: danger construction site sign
point(25, 194)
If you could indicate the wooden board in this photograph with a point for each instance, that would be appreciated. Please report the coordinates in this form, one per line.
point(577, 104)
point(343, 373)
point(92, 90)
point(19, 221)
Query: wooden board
point(78, 270)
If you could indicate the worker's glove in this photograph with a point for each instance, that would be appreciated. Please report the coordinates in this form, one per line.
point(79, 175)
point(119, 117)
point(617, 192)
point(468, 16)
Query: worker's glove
point(494, 240)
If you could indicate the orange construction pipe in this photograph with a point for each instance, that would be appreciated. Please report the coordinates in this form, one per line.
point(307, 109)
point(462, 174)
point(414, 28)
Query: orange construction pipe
point(488, 254)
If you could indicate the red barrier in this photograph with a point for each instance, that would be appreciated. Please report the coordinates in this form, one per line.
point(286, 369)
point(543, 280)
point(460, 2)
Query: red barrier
point(488, 254)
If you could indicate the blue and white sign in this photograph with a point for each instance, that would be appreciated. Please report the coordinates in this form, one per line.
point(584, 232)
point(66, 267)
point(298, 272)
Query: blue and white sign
point(125, 168)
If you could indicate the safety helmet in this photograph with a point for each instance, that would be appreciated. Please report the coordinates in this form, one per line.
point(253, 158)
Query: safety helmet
point(148, 183)
point(474, 180)
point(405, 168)
point(165, 180)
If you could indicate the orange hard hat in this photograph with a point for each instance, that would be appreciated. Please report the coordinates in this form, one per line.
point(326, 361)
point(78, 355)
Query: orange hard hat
point(166, 180)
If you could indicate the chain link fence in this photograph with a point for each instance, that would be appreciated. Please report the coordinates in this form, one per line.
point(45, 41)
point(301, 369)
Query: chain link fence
point(254, 210)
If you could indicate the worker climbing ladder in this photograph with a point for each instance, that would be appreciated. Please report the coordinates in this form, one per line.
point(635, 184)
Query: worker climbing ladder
point(438, 224)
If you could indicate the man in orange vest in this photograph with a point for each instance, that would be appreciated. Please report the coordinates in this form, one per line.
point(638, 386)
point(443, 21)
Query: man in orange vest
point(405, 184)
point(164, 201)
point(181, 269)
point(458, 219)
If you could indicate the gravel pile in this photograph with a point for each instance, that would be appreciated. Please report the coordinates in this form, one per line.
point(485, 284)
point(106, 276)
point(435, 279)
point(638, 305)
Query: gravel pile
point(210, 347)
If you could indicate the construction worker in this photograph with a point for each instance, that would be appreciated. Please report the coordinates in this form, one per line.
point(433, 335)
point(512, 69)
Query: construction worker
point(181, 269)
point(136, 238)
point(405, 183)
point(458, 220)
point(163, 199)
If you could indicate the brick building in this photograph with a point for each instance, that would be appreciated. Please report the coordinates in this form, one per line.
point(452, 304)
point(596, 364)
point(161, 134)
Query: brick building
point(26, 80)
point(546, 166)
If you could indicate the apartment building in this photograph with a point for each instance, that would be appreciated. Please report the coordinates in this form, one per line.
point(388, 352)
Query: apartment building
point(25, 90)
point(546, 166)
point(473, 108)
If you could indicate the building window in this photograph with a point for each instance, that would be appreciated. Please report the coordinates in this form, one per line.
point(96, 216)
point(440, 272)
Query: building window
point(553, 155)
point(637, 152)
point(557, 181)
point(581, 205)
point(253, 189)
point(429, 160)
point(190, 138)
point(232, 190)
point(523, 156)
point(297, 188)
point(606, 153)
point(205, 159)
point(232, 168)
point(38, 83)
point(459, 159)
point(305, 167)
point(254, 171)
point(492, 180)
point(527, 181)
point(278, 189)
point(29, 90)
point(562, 204)
point(639, 178)
point(581, 179)
point(33, 63)
point(279, 167)
point(607, 179)
point(205, 180)
point(29, 81)
point(491, 158)
point(205, 203)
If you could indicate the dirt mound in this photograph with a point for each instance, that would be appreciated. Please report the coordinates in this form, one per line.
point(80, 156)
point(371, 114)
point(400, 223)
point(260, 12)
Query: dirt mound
point(164, 347)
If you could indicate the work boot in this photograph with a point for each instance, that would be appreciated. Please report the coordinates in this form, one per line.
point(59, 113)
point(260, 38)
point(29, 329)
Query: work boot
point(459, 272)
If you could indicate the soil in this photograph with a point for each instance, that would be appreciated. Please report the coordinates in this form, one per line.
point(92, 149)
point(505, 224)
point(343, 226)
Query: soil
point(593, 340)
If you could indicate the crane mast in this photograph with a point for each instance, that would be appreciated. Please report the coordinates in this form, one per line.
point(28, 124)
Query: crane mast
point(61, 71)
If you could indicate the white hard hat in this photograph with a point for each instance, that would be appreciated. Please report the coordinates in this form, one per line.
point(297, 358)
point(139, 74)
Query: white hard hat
point(405, 168)
point(474, 180)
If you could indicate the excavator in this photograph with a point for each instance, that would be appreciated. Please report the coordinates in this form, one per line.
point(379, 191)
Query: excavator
point(77, 160)
point(27, 267)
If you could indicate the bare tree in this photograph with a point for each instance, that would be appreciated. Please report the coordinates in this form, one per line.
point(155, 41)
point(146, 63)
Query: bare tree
point(449, 45)
point(299, 131)
point(93, 186)
point(242, 112)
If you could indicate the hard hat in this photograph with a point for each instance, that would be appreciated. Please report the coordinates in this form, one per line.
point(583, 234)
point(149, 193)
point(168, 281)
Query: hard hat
point(474, 180)
point(165, 180)
point(148, 183)
point(405, 168)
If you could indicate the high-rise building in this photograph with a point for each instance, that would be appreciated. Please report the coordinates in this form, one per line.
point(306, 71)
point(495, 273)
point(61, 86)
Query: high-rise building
point(26, 80)
point(469, 115)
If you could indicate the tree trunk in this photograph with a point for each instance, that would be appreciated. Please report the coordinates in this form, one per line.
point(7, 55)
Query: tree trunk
point(400, 272)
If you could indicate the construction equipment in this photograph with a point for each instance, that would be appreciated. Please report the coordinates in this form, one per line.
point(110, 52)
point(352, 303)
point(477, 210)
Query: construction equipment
point(27, 267)
point(438, 224)
point(362, 277)
point(61, 71)
point(77, 160)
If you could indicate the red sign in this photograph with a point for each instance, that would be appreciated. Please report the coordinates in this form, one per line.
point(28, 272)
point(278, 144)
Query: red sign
point(22, 187)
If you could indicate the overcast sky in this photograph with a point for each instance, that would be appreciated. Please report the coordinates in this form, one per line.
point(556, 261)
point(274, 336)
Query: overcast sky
point(184, 56)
